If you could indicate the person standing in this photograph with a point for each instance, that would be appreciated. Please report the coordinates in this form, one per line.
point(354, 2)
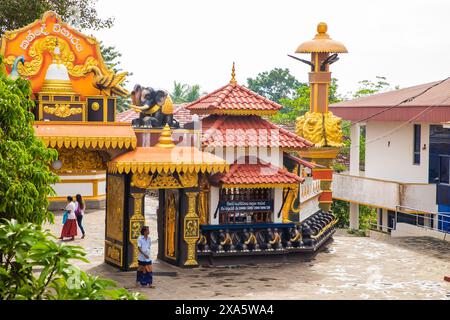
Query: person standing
point(79, 213)
point(69, 229)
point(144, 275)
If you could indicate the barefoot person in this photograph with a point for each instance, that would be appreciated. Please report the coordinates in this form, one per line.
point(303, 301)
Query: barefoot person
point(79, 213)
point(69, 229)
point(144, 275)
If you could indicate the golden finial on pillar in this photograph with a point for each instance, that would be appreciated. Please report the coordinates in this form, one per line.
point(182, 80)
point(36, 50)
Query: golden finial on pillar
point(233, 75)
point(165, 139)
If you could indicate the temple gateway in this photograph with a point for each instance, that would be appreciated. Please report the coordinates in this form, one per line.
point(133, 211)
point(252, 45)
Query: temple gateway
point(229, 182)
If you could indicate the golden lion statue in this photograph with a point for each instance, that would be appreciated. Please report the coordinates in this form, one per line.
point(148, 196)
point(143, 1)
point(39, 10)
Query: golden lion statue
point(322, 129)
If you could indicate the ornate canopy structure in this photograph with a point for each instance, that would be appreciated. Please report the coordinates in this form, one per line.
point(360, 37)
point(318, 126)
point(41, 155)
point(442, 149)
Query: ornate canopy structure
point(75, 95)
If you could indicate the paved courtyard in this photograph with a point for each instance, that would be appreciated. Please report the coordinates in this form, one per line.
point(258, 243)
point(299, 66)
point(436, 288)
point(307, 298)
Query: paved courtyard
point(348, 267)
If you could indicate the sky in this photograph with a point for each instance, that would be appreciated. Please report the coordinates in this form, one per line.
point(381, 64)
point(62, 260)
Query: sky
point(196, 41)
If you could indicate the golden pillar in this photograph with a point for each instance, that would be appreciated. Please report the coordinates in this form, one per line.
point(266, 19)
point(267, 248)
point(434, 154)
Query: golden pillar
point(319, 125)
point(191, 232)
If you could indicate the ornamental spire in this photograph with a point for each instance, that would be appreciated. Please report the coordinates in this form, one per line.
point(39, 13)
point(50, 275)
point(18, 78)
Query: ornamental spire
point(233, 76)
point(165, 139)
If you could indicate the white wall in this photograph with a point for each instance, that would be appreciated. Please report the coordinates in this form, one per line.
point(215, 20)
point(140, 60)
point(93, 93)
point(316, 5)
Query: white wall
point(395, 162)
point(309, 207)
point(278, 202)
point(71, 189)
point(272, 155)
point(213, 201)
point(101, 188)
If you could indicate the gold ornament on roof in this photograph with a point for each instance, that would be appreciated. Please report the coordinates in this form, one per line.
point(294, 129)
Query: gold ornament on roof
point(62, 110)
point(321, 42)
point(233, 76)
point(165, 139)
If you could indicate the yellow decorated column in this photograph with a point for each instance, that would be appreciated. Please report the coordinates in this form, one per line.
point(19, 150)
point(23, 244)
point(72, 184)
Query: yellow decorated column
point(319, 125)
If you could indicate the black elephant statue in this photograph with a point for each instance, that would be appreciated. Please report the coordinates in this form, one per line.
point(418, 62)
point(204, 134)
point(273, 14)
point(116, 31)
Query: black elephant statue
point(155, 108)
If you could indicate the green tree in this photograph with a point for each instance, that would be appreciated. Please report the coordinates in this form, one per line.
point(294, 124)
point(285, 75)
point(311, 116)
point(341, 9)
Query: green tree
point(182, 93)
point(112, 56)
point(299, 104)
point(34, 267)
point(369, 87)
point(82, 14)
point(275, 84)
point(25, 177)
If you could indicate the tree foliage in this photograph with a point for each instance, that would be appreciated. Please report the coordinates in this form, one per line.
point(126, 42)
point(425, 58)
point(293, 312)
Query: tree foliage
point(25, 177)
point(112, 56)
point(183, 93)
point(369, 87)
point(275, 84)
point(34, 267)
point(299, 104)
point(81, 14)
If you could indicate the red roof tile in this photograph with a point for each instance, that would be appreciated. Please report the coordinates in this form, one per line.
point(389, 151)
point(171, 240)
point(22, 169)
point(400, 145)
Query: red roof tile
point(233, 98)
point(255, 171)
point(248, 131)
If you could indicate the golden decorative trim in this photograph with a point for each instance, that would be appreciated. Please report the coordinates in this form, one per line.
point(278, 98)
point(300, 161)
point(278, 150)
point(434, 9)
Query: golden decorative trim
point(260, 185)
point(165, 181)
point(81, 180)
point(127, 167)
point(141, 180)
point(319, 153)
point(328, 226)
point(61, 87)
point(55, 199)
point(191, 232)
point(136, 223)
point(203, 200)
point(113, 253)
point(170, 226)
point(188, 180)
point(238, 112)
point(81, 172)
point(62, 110)
point(89, 142)
point(76, 159)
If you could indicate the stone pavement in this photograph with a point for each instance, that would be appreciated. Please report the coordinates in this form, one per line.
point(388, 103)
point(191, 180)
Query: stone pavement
point(347, 267)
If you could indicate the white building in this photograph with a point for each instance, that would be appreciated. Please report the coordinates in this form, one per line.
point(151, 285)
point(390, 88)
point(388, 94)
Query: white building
point(407, 157)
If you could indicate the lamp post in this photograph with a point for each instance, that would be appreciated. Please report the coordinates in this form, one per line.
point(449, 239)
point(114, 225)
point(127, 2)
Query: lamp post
point(319, 125)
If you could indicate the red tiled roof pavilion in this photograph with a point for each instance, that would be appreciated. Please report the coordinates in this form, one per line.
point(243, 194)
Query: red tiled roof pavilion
point(254, 173)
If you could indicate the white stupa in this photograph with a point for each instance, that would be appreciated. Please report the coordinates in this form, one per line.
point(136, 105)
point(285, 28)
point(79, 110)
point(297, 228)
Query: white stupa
point(57, 76)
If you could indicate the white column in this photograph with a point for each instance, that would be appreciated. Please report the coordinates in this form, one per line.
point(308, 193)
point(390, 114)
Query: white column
point(214, 201)
point(385, 220)
point(354, 216)
point(354, 149)
point(278, 201)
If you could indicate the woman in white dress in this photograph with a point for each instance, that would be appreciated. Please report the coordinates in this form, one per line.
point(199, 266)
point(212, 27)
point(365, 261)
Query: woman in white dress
point(69, 229)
